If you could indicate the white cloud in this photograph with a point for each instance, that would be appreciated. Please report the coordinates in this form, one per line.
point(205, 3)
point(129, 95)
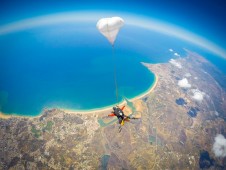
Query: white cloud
point(219, 146)
point(196, 78)
point(176, 54)
point(171, 50)
point(187, 75)
point(184, 83)
point(175, 63)
point(197, 95)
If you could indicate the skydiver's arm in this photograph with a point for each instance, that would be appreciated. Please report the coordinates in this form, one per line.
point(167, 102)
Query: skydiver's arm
point(127, 118)
point(112, 114)
point(123, 107)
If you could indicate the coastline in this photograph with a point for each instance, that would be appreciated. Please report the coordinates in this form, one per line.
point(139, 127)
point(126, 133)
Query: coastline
point(4, 116)
point(103, 109)
point(148, 91)
point(109, 108)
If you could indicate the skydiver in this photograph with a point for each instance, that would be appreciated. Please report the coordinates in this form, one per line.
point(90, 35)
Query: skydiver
point(120, 115)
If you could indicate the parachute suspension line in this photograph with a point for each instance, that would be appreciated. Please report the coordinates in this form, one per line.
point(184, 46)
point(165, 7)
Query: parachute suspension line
point(114, 60)
point(115, 77)
point(110, 27)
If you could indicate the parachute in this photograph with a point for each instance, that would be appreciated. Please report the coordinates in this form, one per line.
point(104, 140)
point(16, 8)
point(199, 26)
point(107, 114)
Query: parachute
point(110, 27)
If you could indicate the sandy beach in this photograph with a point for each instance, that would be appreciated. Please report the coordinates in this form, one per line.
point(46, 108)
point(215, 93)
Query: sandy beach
point(105, 109)
point(98, 110)
point(3, 116)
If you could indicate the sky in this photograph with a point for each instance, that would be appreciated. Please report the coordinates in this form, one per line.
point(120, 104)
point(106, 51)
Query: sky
point(206, 18)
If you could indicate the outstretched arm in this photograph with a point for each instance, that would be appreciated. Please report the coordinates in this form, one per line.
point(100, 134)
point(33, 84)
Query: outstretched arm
point(123, 107)
point(112, 114)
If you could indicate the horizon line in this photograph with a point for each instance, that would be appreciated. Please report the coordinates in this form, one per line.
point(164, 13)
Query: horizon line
point(130, 19)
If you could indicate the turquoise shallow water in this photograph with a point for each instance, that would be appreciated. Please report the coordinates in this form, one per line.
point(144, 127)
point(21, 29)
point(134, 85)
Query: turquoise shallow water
point(59, 66)
point(71, 66)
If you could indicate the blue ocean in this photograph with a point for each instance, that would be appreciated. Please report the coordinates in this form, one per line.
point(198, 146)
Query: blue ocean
point(71, 66)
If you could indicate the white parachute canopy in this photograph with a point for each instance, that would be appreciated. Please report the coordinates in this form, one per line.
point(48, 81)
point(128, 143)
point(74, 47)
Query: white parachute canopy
point(110, 27)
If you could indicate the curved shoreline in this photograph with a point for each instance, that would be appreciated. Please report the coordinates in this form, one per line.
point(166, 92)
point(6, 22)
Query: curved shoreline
point(109, 108)
point(103, 109)
point(148, 91)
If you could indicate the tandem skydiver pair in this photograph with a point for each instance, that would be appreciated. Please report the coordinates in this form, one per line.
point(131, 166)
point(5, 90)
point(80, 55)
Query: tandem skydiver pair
point(118, 112)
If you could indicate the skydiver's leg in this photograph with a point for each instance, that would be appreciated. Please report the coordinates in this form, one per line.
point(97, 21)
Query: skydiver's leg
point(120, 124)
point(120, 128)
point(120, 120)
